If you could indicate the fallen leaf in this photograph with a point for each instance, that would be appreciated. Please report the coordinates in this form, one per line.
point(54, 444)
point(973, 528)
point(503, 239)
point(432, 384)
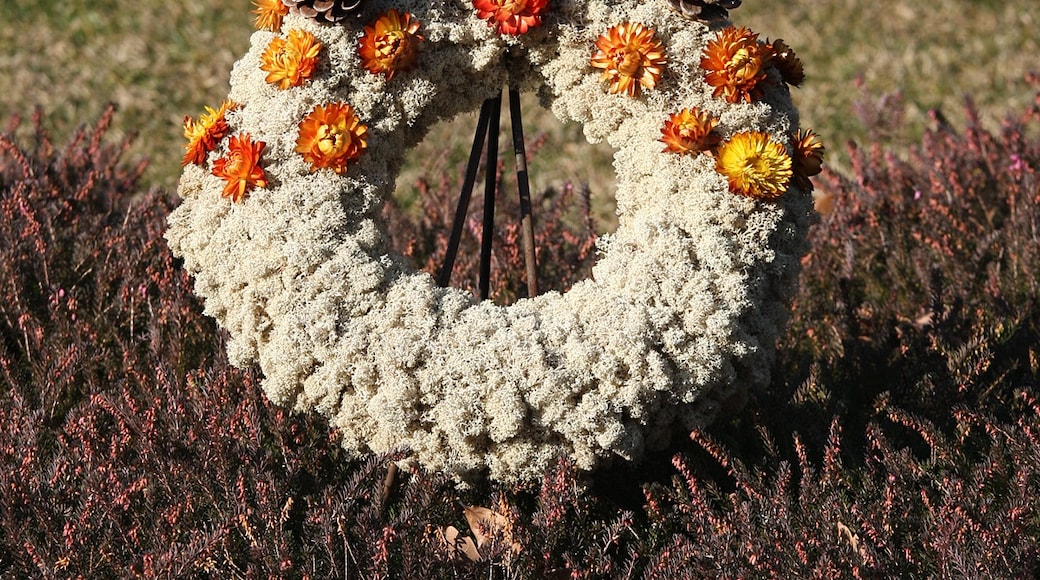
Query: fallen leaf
point(489, 527)
point(852, 538)
point(458, 544)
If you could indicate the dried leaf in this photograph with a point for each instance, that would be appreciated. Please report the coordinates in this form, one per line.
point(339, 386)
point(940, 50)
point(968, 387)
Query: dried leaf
point(851, 537)
point(450, 537)
point(490, 526)
point(485, 523)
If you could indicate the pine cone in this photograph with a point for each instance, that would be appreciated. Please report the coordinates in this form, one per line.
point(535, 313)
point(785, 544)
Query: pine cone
point(703, 9)
point(328, 11)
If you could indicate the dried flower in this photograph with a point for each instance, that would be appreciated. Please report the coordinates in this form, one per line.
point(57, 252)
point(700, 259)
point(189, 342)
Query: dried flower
point(630, 56)
point(755, 165)
point(511, 16)
point(332, 136)
point(241, 167)
point(735, 63)
point(807, 159)
point(390, 44)
point(689, 131)
point(290, 62)
point(204, 134)
point(787, 63)
point(269, 14)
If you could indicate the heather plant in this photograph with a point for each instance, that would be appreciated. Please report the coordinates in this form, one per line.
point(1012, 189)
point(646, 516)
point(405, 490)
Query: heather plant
point(130, 446)
point(899, 437)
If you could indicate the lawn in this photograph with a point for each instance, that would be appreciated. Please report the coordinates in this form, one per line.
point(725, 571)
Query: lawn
point(159, 61)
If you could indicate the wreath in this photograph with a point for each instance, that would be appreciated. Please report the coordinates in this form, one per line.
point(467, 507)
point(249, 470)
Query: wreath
point(281, 227)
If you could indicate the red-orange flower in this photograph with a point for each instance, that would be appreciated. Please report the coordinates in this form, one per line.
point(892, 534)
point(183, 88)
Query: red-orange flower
point(204, 134)
point(787, 63)
point(735, 63)
point(332, 136)
point(631, 57)
point(291, 61)
point(269, 14)
point(241, 167)
point(511, 16)
point(390, 44)
point(689, 131)
point(807, 159)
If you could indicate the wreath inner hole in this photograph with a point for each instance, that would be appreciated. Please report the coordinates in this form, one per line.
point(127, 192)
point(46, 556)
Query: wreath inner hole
point(572, 191)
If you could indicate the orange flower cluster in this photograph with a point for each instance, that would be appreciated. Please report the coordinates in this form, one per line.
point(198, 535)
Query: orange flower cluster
point(269, 14)
point(631, 57)
point(291, 61)
point(736, 64)
point(512, 17)
point(204, 134)
point(240, 168)
point(689, 131)
point(332, 136)
point(391, 44)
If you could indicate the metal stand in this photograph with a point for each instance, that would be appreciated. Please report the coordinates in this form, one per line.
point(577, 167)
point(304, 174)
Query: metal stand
point(488, 127)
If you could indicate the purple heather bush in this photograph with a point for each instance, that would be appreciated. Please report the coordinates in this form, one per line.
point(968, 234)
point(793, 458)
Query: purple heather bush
point(900, 436)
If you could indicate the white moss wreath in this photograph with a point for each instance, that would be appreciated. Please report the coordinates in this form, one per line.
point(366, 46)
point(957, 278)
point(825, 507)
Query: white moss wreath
point(687, 298)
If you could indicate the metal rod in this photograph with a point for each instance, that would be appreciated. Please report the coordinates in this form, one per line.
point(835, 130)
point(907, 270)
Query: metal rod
point(526, 215)
point(444, 276)
point(487, 232)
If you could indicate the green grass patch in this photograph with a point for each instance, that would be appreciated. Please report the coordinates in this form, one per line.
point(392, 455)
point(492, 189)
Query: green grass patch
point(159, 61)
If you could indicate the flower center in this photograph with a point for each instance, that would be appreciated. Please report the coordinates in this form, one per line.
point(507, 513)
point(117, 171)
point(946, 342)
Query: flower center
point(757, 167)
point(235, 163)
point(284, 56)
point(390, 44)
point(512, 6)
point(743, 64)
point(629, 61)
point(687, 132)
point(332, 140)
point(739, 59)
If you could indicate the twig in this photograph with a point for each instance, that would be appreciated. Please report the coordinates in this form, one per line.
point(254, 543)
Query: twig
point(526, 216)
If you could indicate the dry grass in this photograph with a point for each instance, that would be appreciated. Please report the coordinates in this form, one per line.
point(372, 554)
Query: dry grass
point(936, 53)
point(159, 61)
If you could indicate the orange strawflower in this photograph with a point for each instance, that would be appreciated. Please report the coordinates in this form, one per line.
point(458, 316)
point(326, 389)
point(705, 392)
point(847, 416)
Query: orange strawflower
point(754, 165)
point(631, 58)
point(807, 159)
point(332, 136)
point(290, 61)
point(735, 63)
point(269, 14)
point(511, 16)
point(787, 63)
point(689, 131)
point(241, 167)
point(390, 44)
point(204, 134)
